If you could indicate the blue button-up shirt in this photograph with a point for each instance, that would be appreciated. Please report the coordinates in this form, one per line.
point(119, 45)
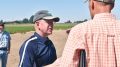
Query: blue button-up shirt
point(34, 51)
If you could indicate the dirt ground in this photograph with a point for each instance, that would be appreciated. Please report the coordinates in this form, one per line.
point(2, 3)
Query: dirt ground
point(58, 37)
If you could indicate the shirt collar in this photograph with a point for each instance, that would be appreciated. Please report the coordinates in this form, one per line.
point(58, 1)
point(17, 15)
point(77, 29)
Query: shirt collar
point(42, 39)
point(104, 16)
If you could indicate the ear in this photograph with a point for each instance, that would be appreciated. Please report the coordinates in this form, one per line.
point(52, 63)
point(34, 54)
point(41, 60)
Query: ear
point(112, 6)
point(37, 23)
point(92, 5)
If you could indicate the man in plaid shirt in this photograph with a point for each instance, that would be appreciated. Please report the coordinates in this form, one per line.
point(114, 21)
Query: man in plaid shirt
point(100, 37)
point(4, 45)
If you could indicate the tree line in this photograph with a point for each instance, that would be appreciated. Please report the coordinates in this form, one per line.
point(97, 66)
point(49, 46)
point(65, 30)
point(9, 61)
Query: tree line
point(30, 21)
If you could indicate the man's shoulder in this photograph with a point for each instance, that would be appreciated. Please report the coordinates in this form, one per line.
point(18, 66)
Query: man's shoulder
point(30, 42)
point(118, 21)
point(32, 39)
point(5, 32)
point(81, 27)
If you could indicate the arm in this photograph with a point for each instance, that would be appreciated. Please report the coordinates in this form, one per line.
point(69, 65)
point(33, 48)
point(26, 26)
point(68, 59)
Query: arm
point(9, 44)
point(75, 42)
point(8, 49)
point(26, 56)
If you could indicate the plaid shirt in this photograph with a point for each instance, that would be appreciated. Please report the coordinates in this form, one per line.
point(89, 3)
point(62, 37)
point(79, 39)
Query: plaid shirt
point(4, 41)
point(99, 37)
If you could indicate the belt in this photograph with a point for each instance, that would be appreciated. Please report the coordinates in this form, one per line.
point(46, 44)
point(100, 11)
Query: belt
point(3, 48)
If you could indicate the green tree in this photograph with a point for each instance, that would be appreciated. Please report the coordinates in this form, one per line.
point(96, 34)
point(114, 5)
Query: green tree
point(31, 19)
point(1, 20)
point(68, 21)
point(25, 20)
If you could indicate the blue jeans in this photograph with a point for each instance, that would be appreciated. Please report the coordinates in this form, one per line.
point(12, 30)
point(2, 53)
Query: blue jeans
point(3, 59)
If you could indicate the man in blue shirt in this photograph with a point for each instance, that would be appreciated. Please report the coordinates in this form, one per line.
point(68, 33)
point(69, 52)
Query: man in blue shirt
point(4, 45)
point(38, 50)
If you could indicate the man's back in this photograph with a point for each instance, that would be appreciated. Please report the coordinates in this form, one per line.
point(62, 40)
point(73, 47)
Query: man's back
point(99, 37)
point(102, 39)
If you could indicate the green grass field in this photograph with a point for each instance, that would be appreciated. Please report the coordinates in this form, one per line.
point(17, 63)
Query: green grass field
point(23, 28)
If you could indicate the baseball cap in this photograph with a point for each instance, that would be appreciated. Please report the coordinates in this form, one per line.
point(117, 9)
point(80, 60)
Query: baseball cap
point(44, 14)
point(106, 1)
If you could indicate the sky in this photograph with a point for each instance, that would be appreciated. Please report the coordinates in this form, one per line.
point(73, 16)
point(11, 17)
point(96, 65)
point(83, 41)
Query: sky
point(74, 10)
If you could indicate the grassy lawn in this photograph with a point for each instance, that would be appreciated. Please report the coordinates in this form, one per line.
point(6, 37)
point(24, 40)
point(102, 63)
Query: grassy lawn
point(22, 28)
point(63, 26)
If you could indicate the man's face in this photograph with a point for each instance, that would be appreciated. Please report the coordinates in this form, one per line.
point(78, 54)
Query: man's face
point(46, 26)
point(1, 28)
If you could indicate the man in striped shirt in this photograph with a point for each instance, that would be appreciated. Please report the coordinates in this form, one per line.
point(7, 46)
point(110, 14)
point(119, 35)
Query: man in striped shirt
point(4, 45)
point(38, 50)
point(99, 37)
